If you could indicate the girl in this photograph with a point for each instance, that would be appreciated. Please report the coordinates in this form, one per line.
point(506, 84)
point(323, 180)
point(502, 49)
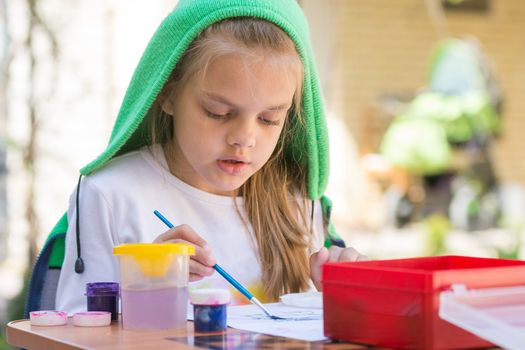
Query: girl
point(222, 131)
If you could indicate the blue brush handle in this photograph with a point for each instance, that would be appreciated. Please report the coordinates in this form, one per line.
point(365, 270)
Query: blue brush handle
point(233, 282)
point(217, 268)
point(164, 220)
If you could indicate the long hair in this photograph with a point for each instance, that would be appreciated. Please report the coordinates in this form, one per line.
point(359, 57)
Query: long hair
point(275, 196)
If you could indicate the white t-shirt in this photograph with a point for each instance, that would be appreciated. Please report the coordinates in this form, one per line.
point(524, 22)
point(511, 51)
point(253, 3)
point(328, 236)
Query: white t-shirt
point(116, 207)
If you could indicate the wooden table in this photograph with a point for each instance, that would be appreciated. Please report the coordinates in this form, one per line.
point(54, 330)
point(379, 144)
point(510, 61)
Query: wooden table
point(20, 333)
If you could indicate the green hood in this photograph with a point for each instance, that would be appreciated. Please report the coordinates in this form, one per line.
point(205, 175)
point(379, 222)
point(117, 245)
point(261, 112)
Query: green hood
point(168, 44)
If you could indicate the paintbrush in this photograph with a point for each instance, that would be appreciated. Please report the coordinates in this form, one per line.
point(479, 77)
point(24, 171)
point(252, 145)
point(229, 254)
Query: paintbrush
point(228, 278)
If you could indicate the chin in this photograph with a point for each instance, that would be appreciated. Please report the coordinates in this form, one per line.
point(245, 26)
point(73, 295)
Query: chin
point(227, 188)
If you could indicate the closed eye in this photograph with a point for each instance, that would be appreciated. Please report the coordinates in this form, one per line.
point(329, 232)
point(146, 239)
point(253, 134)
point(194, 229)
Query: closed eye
point(270, 121)
point(218, 116)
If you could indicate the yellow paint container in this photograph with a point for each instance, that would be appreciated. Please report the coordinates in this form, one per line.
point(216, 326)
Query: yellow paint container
point(154, 284)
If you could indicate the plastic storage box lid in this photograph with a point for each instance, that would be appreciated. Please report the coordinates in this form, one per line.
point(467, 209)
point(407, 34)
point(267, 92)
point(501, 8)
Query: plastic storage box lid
point(495, 314)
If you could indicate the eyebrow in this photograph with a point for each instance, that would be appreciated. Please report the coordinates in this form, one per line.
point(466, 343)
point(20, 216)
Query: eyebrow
point(225, 101)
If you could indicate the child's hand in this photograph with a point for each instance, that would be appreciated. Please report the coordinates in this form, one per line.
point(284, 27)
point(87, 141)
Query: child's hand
point(333, 254)
point(201, 263)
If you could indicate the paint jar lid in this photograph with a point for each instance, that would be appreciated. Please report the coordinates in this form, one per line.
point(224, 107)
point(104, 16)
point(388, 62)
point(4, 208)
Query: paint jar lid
point(48, 318)
point(155, 259)
point(153, 250)
point(97, 289)
point(210, 296)
point(92, 319)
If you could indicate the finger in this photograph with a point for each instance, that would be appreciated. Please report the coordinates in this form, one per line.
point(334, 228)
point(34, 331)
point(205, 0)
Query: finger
point(363, 258)
point(195, 277)
point(185, 234)
point(197, 268)
point(316, 262)
point(203, 255)
point(181, 232)
point(350, 254)
point(335, 253)
point(320, 257)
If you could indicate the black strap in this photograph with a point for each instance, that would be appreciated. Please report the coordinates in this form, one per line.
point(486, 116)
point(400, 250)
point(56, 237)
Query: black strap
point(312, 209)
point(79, 263)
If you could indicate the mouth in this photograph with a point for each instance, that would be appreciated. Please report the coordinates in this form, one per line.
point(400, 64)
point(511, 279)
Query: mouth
point(232, 161)
point(232, 166)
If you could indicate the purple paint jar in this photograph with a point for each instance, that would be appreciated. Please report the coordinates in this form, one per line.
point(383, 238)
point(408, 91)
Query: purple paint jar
point(209, 309)
point(103, 296)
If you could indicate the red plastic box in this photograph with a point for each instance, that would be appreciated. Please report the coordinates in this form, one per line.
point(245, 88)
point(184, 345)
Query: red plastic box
point(394, 303)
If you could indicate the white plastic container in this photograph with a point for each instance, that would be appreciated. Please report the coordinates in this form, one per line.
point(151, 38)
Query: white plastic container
point(154, 284)
point(494, 314)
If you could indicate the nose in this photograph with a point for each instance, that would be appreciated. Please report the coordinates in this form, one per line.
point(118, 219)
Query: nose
point(242, 133)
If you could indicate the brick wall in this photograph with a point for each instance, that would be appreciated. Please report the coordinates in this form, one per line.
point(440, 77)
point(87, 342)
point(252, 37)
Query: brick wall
point(383, 48)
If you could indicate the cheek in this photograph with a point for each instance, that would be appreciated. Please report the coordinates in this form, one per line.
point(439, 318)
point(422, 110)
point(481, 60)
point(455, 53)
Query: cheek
point(185, 136)
point(197, 138)
point(271, 140)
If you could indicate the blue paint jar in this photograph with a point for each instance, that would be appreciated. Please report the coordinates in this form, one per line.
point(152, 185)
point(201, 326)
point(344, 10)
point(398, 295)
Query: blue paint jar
point(209, 309)
point(103, 296)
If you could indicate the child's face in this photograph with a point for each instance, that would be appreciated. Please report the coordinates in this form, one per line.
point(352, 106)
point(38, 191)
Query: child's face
point(228, 123)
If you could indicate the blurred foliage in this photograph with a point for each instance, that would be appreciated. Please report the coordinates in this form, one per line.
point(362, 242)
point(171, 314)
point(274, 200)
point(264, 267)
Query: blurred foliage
point(39, 33)
point(3, 343)
point(436, 226)
point(15, 308)
point(514, 252)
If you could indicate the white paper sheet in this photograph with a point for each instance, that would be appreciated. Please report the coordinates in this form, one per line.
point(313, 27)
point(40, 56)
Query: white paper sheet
point(301, 323)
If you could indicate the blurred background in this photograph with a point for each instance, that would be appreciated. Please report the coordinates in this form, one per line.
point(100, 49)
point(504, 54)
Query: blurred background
point(424, 102)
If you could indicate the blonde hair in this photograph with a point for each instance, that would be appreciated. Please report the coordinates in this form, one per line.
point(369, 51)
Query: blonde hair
point(275, 196)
